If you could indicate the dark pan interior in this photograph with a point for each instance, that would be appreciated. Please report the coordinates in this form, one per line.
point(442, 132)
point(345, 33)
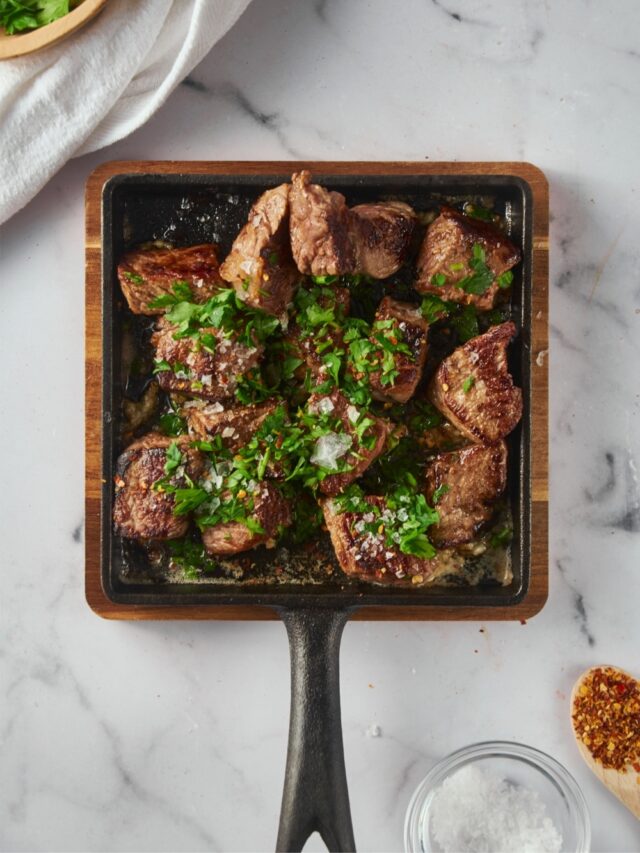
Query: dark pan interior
point(187, 209)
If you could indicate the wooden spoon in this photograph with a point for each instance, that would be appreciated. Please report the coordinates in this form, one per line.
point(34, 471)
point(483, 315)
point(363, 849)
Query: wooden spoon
point(625, 784)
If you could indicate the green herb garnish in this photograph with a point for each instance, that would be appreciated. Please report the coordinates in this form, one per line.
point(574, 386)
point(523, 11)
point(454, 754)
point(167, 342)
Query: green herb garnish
point(172, 424)
point(133, 277)
point(504, 280)
point(501, 538)
point(481, 278)
point(181, 292)
point(468, 384)
point(439, 492)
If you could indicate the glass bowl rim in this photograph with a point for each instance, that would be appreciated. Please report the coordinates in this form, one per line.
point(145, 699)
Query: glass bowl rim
point(539, 760)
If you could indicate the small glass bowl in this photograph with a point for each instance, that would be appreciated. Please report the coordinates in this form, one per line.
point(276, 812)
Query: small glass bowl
point(519, 765)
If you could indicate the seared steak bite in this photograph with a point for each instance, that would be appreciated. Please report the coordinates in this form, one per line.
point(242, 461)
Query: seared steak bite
point(474, 389)
point(363, 553)
point(316, 328)
point(269, 511)
point(146, 274)
point(185, 365)
point(260, 266)
point(381, 234)
point(140, 510)
point(328, 238)
point(465, 260)
point(403, 324)
point(341, 448)
point(234, 426)
point(467, 483)
point(319, 226)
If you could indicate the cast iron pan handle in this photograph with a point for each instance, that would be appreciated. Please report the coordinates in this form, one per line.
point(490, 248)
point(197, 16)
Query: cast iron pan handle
point(315, 795)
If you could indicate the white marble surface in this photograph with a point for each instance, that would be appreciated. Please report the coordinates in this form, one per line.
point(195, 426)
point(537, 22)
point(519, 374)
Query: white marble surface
point(172, 737)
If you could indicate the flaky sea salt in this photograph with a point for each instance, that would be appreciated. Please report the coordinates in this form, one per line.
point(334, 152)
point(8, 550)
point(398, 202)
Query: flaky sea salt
point(329, 448)
point(475, 811)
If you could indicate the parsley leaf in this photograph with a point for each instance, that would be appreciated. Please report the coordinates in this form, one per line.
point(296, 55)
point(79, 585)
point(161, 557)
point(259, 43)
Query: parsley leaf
point(439, 492)
point(173, 458)
point(466, 323)
point(481, 278)
point(439, 279)
point(501, 538)
point(172, 424)
point(505, 279)
point(468, 384)
point(433, 308)
point(181, 292)
point(133, 277)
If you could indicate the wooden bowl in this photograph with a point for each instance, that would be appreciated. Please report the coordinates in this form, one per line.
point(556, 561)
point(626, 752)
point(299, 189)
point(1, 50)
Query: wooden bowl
point(32, 40)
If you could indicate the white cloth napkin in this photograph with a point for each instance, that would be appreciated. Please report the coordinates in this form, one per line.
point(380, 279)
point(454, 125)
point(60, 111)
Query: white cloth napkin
point(98, 86)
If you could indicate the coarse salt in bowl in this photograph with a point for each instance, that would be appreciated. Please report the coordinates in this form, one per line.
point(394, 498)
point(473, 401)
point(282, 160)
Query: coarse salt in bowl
point(498, 796)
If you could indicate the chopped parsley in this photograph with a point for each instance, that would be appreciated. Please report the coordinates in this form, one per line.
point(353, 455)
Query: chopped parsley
point(439, 279)
point(505, 280)
point(481, 277)
point(468, 384)
point(465, 322)
point(180, 292)
point(439, 492)
point(173, 458)
point(501, 538)
point(478, 212)
point(172, 424)
point(133, 277)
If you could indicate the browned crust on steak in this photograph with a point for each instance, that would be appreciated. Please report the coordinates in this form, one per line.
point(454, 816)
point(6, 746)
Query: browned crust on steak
point(160, 268)
point(358, 457)
point(365, 555)
point(319, 229)
point(449, 240)
point(492, 406)
point(475, 478)
point(212, 376)
point(260, 266)
point(415, 329)
point(381, 233)
point(139, 511)
point(271, 510)
point(235, 426)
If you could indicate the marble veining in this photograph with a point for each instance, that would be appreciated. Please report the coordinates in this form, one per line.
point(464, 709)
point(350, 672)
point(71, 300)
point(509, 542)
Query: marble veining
point(172, 736)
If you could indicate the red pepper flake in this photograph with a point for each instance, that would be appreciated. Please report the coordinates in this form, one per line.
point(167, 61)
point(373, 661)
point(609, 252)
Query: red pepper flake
point(606, 718)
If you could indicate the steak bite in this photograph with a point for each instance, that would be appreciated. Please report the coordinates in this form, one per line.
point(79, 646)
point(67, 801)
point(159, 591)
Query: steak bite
point(474, 389)
point(365, 554)
point(140, 511)
point(349, 447)
point(266, 507)
point(260, 266)
point(319, 227)
point(316, 328)
point(462, 260)
point(381, 234)
point(468, 483)
point(146, 274)
point(328, 238)
point(234, 426)
point(404, 324)
point(186, 366)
